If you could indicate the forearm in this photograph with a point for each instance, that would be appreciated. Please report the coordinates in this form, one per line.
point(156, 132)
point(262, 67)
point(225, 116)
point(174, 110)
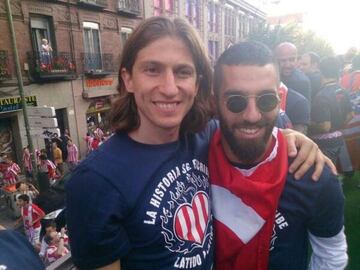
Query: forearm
point(328, 253)
point(61, 246)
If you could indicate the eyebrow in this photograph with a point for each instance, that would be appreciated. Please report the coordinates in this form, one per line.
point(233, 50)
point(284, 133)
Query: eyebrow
point(153, 62)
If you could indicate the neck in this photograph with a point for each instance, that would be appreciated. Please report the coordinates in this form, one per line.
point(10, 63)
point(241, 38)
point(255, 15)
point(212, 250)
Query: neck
point(154, 137)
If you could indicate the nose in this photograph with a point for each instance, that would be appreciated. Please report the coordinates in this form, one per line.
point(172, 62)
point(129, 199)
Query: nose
point(169, 84)
point(251, 113)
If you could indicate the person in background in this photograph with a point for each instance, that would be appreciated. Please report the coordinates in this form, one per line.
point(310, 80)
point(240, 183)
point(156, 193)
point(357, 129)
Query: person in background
point(73, 155)
point(27, 163)
point(31, 215)
point(50, 228)
point(263, 218)
point(291, 76)
point(46, 53)
point(56, 246)
point(48, 167)
point(88, 139)
point(28, 189)
point(58, 159)
point(331, 110)
point(309, 64)
point(11, 174)
point(351, 80)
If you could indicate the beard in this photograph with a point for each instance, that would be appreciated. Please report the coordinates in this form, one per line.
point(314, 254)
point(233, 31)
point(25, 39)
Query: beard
point(247, 151)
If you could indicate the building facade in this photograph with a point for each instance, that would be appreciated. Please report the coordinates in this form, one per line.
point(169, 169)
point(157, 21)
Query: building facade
point(69, 53)
point(219, 22)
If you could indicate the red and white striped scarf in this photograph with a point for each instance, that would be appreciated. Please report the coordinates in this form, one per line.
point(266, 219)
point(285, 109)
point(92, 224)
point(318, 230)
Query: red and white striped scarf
point(244, 204)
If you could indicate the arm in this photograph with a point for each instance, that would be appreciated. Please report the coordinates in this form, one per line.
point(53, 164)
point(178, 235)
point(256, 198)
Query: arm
point(95, 229)
point(328, 253)
point(40, 214)
point(326, 226)
point(307, 155)
point(61, 247)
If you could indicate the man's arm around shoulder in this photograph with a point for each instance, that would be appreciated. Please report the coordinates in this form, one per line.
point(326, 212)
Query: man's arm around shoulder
point(326, 229)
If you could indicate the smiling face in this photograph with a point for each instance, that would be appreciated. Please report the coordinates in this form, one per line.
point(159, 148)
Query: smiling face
point(246, 134)
point(164, 83)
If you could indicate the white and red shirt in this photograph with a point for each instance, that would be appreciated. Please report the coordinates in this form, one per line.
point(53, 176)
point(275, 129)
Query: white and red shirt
point(44, 246)
point(30, 213)
point(11, 173)
point(27, 160)
point(51, 253)
point(49, 167)
point(72, 153)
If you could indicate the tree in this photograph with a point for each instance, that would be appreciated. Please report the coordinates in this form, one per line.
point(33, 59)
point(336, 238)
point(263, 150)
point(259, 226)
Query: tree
point(305, 41)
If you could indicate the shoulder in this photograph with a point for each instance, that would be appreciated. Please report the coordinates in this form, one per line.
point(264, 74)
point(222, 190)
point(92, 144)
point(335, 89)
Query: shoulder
point(299, 75)
point(324, 193)
point(209, 131)
point(295, 97)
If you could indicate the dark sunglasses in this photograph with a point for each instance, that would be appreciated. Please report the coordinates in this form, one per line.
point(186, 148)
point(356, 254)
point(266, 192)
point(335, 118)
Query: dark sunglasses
point(265, 102)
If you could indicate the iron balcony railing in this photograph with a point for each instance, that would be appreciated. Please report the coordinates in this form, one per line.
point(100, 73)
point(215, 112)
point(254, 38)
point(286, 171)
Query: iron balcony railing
point(52, 65)
point(131, 7)
point(93, 3)
point(97, 63)
point(4, 66)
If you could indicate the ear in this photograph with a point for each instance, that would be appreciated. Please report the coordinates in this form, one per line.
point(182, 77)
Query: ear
point(127, 79)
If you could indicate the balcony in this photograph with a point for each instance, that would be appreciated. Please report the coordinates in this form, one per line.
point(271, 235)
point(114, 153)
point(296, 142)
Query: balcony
point(129, 7)
point(97, 64)
point(93, 4)
point(4, 66)
point(54, 66)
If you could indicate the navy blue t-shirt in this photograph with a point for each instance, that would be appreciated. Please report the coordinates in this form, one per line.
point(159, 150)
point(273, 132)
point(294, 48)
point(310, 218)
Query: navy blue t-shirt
point(297, 108)
point(298, 82)
point(17, 253)
point(305, 206)
point(331, 104)
point(147, 205)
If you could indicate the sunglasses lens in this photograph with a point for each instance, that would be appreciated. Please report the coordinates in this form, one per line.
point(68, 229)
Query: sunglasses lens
point(236, 104)
point(267, 102)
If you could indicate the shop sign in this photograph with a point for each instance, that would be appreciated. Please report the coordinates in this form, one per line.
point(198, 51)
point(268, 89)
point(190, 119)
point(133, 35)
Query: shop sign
point(10, 104)
point(97, 87)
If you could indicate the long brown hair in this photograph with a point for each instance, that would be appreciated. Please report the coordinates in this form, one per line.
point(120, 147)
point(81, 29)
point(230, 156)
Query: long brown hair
point(124, 115)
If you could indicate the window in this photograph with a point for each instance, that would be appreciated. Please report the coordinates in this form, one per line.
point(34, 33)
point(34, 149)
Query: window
point(124, 34)
point(192, 12)
point(213, 17)
point(129, 6)
point(92, 49)
point(163, 7)
point(40, 29)
point(230, 22)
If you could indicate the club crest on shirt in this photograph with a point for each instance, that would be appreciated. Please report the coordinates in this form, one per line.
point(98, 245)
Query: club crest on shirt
point(181, 206)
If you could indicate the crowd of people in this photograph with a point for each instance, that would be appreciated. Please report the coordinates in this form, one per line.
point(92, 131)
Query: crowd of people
point(62, 157)
point(321, 97)
point(198, 174)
